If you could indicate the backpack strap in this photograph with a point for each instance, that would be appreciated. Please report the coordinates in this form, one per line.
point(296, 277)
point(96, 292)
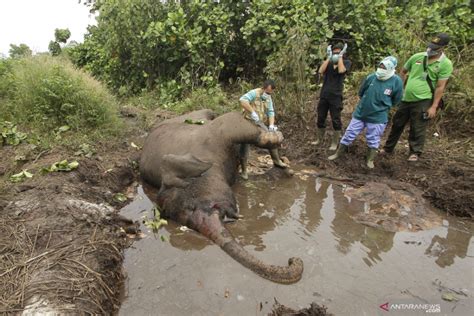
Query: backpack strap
point(428, 80)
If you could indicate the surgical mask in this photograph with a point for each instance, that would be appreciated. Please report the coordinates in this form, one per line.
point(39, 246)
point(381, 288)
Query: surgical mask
point(432, 53)
point(266, 96)
point(384, 74)
point(335, 58)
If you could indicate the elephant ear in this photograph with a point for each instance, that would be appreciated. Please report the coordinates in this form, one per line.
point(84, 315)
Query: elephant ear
point(176, 169)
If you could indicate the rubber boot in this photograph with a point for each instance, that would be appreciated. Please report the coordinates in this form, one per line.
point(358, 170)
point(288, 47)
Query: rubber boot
point(319, 136)
point(276, 159)
point(243, 166)
point(336, 136)
point(341, 150)
point(370, 158)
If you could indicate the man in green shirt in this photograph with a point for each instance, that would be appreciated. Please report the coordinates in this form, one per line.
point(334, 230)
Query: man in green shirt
point(420, 101)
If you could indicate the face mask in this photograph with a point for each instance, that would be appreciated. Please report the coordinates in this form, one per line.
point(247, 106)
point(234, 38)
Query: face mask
point(384, 74)
point(432, 53)
point(266, 96)
point(335, 58)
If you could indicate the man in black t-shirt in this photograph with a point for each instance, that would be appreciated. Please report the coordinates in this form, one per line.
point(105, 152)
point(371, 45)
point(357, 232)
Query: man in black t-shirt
point(333, 69)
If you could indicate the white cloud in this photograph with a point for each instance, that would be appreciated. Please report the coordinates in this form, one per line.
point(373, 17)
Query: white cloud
point(32, 22)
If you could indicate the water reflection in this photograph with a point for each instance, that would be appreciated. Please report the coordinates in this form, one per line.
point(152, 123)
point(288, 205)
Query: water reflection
point(265, 205)
point(294, 206)
point(445, 249)
point(347, 232)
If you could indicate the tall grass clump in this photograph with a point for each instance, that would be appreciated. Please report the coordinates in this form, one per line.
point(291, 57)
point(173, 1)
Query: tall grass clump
point(44, 93)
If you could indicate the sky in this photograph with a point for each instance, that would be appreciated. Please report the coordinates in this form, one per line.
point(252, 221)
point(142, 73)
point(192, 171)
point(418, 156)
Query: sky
point(33, 22)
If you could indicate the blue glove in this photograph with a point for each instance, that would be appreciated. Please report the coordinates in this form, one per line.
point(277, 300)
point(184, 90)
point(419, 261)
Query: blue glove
point(329, 51)
point(343, 51)
point(272, 128)
point(254, 117)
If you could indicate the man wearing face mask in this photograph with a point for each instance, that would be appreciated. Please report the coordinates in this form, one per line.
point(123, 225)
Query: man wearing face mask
point(334, 70)
point(425, 75)
point(378, 93)
point(257, 107)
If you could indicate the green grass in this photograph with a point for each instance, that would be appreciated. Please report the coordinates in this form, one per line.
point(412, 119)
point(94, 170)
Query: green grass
point(42, 94)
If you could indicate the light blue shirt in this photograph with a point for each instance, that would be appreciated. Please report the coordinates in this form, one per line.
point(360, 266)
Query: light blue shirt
point(252, 95)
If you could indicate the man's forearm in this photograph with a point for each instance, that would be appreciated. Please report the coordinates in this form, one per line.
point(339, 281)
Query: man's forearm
point(340, 66)
point(246, 106)
point(324, 66)
point(437, 96)
point(271, 120)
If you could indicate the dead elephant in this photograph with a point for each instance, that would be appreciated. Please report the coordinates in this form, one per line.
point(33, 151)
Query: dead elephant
point(194, 166)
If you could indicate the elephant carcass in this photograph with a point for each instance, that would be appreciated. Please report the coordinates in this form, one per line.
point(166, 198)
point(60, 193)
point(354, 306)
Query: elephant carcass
point(194, 166)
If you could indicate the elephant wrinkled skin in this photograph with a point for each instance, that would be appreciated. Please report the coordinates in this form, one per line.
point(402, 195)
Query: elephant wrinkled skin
point(194, 166)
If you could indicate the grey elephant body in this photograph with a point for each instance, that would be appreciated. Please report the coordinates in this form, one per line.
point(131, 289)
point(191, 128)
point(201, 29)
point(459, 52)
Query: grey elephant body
point(194, 167)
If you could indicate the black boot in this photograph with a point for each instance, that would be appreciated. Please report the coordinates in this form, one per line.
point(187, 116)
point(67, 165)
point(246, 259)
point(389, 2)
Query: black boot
point(341, 150)
point(336, 136)
point(243, 166)
point(276, 159)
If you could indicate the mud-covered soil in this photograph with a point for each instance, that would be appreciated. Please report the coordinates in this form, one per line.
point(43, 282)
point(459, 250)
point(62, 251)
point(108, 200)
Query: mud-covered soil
point(445, 172)
point(62, 239)
point(313, 310)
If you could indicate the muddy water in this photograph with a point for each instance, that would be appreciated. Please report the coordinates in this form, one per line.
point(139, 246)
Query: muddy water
point(349, 267)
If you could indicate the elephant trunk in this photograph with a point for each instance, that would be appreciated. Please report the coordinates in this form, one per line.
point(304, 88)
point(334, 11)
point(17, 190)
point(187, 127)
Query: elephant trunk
point(211, 227)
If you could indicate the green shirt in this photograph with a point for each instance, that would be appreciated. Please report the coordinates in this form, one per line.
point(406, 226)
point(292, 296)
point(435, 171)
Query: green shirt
point(417, 87)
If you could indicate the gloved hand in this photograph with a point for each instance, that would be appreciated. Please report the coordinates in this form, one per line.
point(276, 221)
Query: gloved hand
point(254, 117)
point(272, 128)
point(343, 51)
point(329, 51)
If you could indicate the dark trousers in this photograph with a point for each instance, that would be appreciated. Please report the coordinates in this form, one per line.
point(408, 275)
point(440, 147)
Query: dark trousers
point(409, 112)
point(334, 107)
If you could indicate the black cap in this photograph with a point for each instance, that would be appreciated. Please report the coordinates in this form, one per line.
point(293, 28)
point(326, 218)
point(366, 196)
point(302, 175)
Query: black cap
point(440, 40)
point(338, 46)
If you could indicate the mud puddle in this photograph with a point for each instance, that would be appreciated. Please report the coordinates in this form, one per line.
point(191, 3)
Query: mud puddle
point(349, 267)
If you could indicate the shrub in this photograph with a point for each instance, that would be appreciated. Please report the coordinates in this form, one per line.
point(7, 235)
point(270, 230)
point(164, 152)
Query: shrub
point(48, 93)
point(211, 98)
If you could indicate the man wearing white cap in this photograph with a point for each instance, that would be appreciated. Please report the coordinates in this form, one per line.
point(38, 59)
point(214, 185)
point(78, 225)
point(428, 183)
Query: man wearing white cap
point(379, 92)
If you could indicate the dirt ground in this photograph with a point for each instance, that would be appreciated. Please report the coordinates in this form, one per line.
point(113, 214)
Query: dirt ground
point(62, 241)
point(445, 171)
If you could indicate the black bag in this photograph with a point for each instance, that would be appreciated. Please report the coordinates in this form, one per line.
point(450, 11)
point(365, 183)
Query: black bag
point(430, 83)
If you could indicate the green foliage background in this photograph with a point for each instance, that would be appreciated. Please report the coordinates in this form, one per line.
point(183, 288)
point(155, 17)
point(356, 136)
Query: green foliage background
point(140, 44)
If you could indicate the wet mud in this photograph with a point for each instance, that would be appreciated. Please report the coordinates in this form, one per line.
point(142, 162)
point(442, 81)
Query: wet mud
point(351, 266)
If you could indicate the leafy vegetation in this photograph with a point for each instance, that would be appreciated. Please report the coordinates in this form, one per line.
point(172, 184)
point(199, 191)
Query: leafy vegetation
point(156, 222)
point(62, 165)
point(19, 177)
point(49, 94)
point(19, 51)
point(10, 135)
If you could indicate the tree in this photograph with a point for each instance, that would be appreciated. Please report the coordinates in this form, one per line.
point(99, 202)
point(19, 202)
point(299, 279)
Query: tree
point(19, 51)
point(62, 35)
point(54, 48)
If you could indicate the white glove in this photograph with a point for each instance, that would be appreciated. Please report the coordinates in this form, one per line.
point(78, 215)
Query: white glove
point(329, 51)
point(254, 116)
point(272, 128)
point(343, 51)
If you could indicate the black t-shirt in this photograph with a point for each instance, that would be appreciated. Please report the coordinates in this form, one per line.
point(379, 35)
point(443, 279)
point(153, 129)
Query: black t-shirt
point(333, 83)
